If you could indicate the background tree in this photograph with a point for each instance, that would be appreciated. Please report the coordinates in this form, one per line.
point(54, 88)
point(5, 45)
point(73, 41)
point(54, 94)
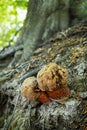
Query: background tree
point(45, 18)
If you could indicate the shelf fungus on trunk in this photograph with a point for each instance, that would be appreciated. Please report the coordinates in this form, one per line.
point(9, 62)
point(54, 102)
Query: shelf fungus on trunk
point(31, 91)
point(50, 84)
point(53, 79)
point(60, 94)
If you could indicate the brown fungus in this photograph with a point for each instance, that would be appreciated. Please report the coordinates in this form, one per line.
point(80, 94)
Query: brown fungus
point(30, 91)
point(60, 94)
point(52, 77)
point(51, 83)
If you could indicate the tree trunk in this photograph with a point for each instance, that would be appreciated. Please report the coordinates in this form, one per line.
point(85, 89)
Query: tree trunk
point(44, 19)
point(42, 22)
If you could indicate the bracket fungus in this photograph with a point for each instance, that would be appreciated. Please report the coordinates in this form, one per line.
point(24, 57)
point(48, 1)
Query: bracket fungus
point(30, 88)
point(53, 79)
point(51, 83)
point(60, 94)
point(30, 91)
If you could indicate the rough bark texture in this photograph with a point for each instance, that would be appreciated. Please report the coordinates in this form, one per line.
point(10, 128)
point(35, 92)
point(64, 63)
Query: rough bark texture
point(45, 18)
point(68, 49)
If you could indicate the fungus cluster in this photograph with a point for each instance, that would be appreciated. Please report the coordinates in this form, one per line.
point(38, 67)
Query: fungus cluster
point(51, 83)
point(51, 77)
point(30, 89)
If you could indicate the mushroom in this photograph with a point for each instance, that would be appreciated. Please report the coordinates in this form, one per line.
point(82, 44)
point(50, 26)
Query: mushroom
point(53, 80)
point(43, 98)
point(30, 88)
point(60, 94)
point(51, 83)
point(52, 77)
point(31, 91)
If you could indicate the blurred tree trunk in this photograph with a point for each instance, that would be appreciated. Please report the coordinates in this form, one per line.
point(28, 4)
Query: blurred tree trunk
point(44, 19)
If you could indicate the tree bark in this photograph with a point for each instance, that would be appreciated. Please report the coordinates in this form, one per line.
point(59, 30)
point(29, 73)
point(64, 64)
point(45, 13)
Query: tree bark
point(45, 18)
point(68, 49)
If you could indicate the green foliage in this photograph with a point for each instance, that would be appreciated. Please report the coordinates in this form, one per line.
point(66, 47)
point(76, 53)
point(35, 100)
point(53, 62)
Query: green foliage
point(12, 14)
point(84, 7)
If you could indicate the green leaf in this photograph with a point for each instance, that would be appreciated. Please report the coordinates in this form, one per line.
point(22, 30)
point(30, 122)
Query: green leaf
point(10, 19)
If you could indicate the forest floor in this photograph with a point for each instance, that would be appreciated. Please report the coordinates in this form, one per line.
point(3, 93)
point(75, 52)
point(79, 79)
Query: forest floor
point(68, 49)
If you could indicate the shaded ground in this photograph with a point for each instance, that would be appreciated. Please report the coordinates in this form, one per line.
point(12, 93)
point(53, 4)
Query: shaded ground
point(68, 49)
